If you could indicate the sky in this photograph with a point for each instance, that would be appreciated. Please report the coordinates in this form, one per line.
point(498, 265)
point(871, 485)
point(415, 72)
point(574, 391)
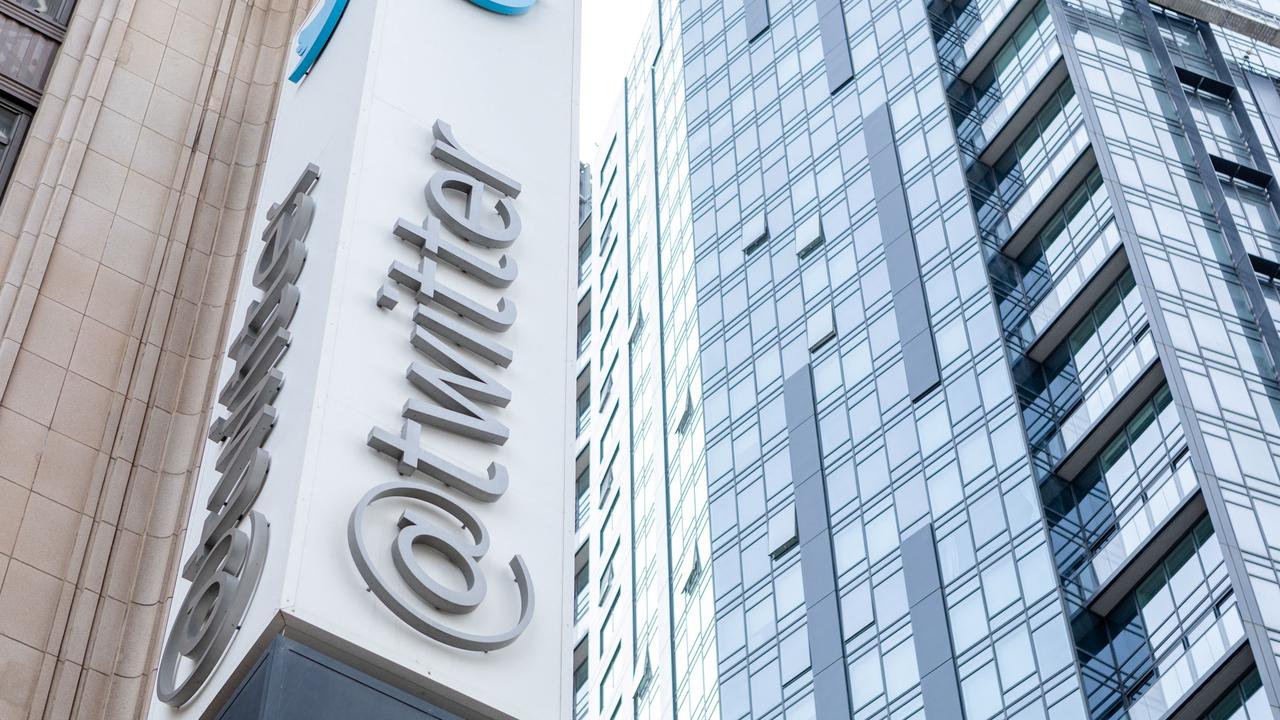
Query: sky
point(610, 31)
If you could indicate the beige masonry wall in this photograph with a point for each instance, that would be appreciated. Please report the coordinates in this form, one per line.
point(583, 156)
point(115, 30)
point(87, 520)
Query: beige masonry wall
point(119, 237)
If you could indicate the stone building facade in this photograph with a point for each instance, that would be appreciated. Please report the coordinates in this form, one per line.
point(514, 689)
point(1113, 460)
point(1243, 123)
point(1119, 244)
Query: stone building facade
point(139, 129)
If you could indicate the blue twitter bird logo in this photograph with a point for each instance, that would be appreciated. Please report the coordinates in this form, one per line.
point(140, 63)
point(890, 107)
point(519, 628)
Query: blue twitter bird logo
point(314, 36)
point(505, 7)
point(320, 24)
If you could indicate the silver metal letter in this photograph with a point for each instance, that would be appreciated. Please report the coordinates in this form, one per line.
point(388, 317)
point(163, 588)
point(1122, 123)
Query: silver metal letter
point(416, 528)
point(467, 225)
point(459, 392)
point(226, 565)
point(429, 243)
point(446, 149)
point(406, 449)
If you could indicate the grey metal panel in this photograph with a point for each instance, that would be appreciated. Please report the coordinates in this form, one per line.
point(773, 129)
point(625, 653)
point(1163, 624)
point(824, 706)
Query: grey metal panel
point(831, 693)
point(877, 131)
point(941, 691)
point(930, 629)
point(932, 635)
point(817, 564)
point(826, 644)
point(909, 306)
point(802, 444)
point(817, 567)
point(757, 16)
point(920, 360)
point(899, 248)
point(1268, 100)
point(919, 553)
point(812, 518)
point(911, 310)
point(886, 169)
point(835, 43)
point(797, 397)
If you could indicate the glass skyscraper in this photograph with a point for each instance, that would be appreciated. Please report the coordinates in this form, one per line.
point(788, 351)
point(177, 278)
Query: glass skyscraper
point(644, 612)
point(985, 361)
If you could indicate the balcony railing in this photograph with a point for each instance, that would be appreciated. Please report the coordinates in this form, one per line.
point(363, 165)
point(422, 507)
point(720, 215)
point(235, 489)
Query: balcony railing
point(1099, 401)
point(1099, 250)
point(983, 40)
point(1015, 96)
point(581, 581)
point(583, 509)
point(1138, 528)
point(1036, 190)
point(1181, 676)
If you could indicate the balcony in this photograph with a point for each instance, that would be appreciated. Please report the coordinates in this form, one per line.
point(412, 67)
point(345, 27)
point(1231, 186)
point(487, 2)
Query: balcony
point(1079, 287)
point(1027, 185)
point(583, 510)
point(999, 22)
point(1069, 156)
point(1102, 411)
point(1001, 86)
point(583, 405)
point(1001, 125)
point(1018, 236)
point(1145, 537)
point(581, 599)
point(1181, 689)
point(1137, 529)
point(1117, 519)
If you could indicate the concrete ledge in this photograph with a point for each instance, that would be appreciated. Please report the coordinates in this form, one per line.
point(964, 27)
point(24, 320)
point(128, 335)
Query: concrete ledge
point(1250, 22)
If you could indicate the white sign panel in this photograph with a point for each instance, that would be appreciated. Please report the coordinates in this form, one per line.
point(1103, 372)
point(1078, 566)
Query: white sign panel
point(388, 469)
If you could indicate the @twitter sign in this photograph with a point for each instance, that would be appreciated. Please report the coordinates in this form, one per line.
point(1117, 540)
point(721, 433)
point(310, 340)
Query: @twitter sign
point(322, 21)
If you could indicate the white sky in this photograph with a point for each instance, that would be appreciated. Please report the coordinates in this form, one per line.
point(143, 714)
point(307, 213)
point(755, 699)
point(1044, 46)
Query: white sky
point(610, 30)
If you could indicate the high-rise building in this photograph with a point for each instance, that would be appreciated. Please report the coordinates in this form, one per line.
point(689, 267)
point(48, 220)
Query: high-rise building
point(987, 325)
point(286, 362)
point(645, 620)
